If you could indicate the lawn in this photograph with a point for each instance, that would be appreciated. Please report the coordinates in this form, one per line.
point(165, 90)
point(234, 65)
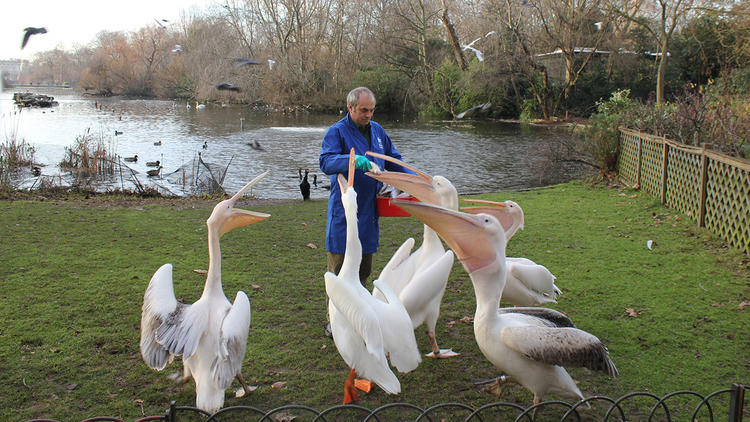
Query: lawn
point(74, 271)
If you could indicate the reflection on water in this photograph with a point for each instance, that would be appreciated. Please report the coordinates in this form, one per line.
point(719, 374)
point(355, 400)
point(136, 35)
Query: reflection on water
point(475, 156)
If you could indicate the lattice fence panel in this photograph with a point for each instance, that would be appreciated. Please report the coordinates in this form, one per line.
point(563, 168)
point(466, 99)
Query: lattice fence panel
point(684, 182)
point(728, 204)
point(651, 166)
point(628, 160)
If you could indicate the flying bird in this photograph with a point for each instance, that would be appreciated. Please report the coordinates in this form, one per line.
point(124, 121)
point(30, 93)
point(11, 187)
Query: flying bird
point(530, 345)
point(28, 32)
point(241, 61)
point(211, 334)
point(227, 86)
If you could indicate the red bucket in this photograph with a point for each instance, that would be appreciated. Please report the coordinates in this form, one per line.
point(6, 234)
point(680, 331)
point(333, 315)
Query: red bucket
point(387, 209)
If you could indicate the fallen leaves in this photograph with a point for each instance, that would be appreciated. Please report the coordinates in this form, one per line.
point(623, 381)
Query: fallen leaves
point(311, 246)
point(199, 271)
point(743, 304)
point(278, 385)
point(631, 312)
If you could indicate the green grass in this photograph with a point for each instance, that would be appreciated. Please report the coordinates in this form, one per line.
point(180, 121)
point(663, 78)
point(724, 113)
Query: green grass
point(74, 272)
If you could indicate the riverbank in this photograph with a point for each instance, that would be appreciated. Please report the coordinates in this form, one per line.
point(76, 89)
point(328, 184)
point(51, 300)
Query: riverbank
point(75, 270)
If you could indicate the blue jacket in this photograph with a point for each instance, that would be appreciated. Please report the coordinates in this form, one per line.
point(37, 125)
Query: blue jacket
point(334, 159)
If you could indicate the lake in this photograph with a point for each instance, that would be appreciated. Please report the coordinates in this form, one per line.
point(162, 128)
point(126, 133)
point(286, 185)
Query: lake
point(477, 156)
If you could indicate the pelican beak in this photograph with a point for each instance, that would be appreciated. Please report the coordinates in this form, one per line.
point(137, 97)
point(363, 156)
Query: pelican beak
point(464, 233)
point(499, 210)
point(240, 217)
point(417, 185)
point(344, 183)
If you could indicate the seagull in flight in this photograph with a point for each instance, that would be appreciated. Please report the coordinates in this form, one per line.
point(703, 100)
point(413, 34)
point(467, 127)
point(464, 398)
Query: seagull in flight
point(227, 86)
point(28, 32)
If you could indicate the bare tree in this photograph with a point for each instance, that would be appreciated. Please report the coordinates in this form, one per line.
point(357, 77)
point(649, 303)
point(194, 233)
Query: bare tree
point(660, 18)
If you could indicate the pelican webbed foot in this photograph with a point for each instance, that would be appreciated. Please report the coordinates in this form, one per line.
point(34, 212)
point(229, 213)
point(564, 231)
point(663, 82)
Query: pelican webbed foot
point(494, 385)
point(245, 390)
point(438, 353)
point(350, 391)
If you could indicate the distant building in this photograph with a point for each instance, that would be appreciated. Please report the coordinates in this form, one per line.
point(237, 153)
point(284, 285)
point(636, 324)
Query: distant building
point(10, 70)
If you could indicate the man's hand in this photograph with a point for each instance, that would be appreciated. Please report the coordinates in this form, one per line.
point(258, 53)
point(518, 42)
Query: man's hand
point(362, 163)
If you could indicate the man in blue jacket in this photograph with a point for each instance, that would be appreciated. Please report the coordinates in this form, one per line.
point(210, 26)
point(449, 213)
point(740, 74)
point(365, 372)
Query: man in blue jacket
point(357, 131)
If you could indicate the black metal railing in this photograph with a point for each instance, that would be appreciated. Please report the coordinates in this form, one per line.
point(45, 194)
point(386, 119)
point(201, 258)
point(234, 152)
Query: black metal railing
point(721, 405)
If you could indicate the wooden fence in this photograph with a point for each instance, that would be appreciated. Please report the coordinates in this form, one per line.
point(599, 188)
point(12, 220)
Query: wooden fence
point(710, 188)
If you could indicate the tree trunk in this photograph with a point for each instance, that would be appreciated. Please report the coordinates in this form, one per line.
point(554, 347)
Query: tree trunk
point(453, 38)
point(660, 73)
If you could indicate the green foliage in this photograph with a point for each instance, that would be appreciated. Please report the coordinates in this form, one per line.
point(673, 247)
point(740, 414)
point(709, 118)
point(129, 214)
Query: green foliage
point(73, 290)
point(601, 137)
point(390, 87)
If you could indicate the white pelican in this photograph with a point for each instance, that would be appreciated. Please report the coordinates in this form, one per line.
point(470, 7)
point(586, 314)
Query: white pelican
point(419, 279)
point(531, 345)
point(529, 283)
point(365, 328)
point(211, 334)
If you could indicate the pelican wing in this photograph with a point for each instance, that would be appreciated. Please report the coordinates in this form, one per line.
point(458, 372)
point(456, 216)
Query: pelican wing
point(396, 326)
point(234, 332)
point(559, 346)
point(424, 292)
point(399, 269)
point(359, 313)
point(536, 278)
point(548, 317)
point(159, 303)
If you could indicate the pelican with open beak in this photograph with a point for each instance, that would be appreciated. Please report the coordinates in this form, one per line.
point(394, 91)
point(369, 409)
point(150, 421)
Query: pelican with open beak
point(211, 334)
point(529, 283)
point(420, 278)
point(531, 345)
point(364, 328)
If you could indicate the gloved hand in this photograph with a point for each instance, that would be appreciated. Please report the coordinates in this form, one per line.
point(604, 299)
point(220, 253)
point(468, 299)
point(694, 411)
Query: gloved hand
point(362, 163)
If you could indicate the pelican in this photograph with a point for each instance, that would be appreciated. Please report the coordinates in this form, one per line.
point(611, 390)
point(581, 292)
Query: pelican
point(419, 279)
point(365, 328)
point(529, 284)
point(531, 345)
point(211, 334)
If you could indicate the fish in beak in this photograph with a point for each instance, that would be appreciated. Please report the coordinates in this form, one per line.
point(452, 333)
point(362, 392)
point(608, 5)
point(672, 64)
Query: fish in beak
point(477, 239)
point(418, 185)
point(236, 217)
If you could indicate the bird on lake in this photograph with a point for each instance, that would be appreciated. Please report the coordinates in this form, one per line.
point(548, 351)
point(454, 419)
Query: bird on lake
point(36, 171)
point(154, 172)
point(315, 180)
point(152, 163)
point(364, 328)
point(28, 32)
point(157, 143)
point(205, 144)
point(177, 48)
point(530, 345)
point(132, 159)
point(304, 187)
point(529, 283)
point(199, 106)
point(256, 145)
point(211, 334)
point(117, 132)
point(227, 86)
point(420, 278)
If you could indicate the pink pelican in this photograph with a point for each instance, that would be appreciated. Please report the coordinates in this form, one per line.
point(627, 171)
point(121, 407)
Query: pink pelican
point(364, 328)
point(211, 334)
point(529, 283)
point(531, 345)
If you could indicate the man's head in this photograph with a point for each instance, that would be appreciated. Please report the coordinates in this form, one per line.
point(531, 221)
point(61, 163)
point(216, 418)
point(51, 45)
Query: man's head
point(361, 105)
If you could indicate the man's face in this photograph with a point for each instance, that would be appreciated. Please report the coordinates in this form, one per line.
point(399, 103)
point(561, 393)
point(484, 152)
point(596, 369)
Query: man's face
point(362, 113)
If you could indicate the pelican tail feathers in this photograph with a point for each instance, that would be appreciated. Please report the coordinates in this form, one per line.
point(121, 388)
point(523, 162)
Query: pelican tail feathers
point(398, 333)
